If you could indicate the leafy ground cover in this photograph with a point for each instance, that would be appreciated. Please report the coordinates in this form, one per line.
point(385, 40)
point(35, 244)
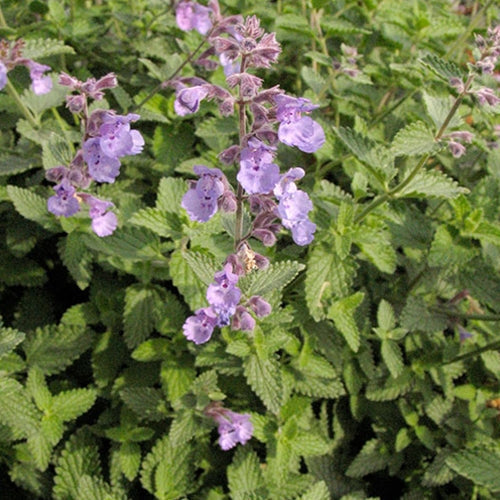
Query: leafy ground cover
point(314, 313)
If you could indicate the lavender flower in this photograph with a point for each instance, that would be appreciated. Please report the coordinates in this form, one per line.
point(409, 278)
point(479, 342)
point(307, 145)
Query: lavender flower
point(294, 206)
point(257, 172)
point(187, 100)
point(40, 84)
point(456, 149)
point(103, 222)
point(191, 15)
point(223, 295)
point(199, 328)
point(485, 95)
point(3, 75)
point(201, 200)
point(295, 129)
point(102, 168)
point(64, 202)
point(117, 139)
point(242, 320)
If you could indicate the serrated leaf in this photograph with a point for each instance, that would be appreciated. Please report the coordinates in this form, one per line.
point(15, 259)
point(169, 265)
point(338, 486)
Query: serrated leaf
point(342, 313)
point(317, 492)
point(139, 314)
point(68, 405)
point(53, 347)
point(390, 389)
point(183, 427)
point(130, 459)
point(327, 276)
point(148, 403)
point(438, 473)
point(56, 151)
point(376, 246)
point(203, 265)
point(480, 465)
point(415, 139)
point(38, 48)
point(385, 316)
point(217, 132)
point(9, 339)
point(162, 223)
point(177, 377)
point(11, 164)
point(172, 144)
point(170, 193)
point(392, 356)
point(37, 387)
point(417, 316)
point(372, 458)
point(76, 258)
point(275, 277)
point(309, 445)
point(16, 408)
point(80, 457)
point(264, 377)
point(444, 69)
point(132, 243)
point(432, 184)
point(31, 206)
point(244, 475)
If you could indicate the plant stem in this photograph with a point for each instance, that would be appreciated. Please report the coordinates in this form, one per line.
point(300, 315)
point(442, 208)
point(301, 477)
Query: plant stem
point(489, 347)
point(406, 181)
point(238, 222)
point(3, 23)
point(11, 90)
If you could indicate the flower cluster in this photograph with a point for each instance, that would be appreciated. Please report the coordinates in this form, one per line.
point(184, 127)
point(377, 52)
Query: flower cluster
point(106, 138)
point(225, 308)
point(455, 140)
point(348, 63)
point(11, 56)
point(233, 427)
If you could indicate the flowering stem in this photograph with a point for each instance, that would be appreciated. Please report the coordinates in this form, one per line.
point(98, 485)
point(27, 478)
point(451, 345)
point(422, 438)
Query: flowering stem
point(406, 181)
point(26, 112)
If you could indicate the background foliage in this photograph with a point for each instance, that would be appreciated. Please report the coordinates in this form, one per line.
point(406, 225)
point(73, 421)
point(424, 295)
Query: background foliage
point(358, 383)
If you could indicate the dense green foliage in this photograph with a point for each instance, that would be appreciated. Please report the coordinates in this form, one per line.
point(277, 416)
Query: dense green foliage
point(358, 383)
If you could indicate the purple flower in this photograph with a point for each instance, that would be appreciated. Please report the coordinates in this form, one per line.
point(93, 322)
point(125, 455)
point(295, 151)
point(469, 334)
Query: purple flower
point(40, 84)
point(294, 207)
point(242, 320)
point(486, 95)
point(233, 428)
point(191, 15)
point(3, 75)
point(187, 99)
point(306, 134)
point(116, 137)
point(103, 222)
point(258, 175)
point(294, 129)
point(199, 328)
point(463, 333)
point(259, 306)
point(201, 200)
point(457, 149)
point(223, 295)
point(102, 168)
point(64, 202)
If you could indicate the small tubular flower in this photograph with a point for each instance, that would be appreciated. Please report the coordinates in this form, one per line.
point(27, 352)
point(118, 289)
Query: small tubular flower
point(64, 202)
point(199, 328)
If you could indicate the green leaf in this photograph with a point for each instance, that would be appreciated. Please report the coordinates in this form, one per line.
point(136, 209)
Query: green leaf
point(342, 313)
point(16, 408)
point(372, 458)
point(376, 246)
point(9, 339)
point(139, 314)
point(244, 475)
point(56, 151)
point(53, 348)
point(217, 132)
point(68, 405)
point(264, 377)
point(167, 470)
point(37, 387)
point(444, 69)
point(148, 403)
point(38, 48)
point(32, 206)
point(415, 139)
point(438, 473)
point(389, 389)
point(130, 459)
point(80, 457)
point(275, 277)
point(203, 265)
point(309, 445)
point(189, 284)
point(392, 356)
point(417, 316)
point(432, 184)
point(129, 243)
point(327, 276)
point(76, 258)
point(172, 145)
point(160, 222)
point(170, 193)
point(317, 492)
point(480, 465)
point(177, 376)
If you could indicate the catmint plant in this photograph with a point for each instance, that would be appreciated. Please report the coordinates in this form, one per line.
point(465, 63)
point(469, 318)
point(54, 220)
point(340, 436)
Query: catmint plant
point(266, 118)
point(11, 57)
point(107, 137)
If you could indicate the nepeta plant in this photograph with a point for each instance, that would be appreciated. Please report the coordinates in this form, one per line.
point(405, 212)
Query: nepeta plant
point(241, 46)
point(106, 138)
